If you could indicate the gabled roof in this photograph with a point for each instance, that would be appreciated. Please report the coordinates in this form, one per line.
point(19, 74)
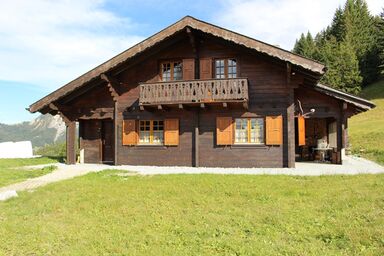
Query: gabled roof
point(188, 21)
point(360, 103)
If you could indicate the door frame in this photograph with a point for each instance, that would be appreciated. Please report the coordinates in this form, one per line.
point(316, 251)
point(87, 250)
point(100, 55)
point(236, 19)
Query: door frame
point(102, 139)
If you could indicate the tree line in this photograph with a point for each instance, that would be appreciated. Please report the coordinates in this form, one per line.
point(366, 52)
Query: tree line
point(352, 47)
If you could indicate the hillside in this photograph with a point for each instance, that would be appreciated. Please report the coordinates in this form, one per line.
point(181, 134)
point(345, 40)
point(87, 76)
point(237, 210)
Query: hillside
point(366, 130)
point(45, 129)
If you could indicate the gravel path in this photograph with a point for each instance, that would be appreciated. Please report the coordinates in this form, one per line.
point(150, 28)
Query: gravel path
point(351, 165)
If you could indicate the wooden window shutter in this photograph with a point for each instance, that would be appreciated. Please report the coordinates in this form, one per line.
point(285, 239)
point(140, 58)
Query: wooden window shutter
point(301, 130)
point(224, 128)
point(205, 68)
point(188, 69)
point(130, 136)
point(171, 132)
point(274, 130)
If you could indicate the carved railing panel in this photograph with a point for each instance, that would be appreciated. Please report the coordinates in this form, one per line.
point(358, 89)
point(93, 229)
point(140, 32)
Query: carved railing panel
point(194, 91)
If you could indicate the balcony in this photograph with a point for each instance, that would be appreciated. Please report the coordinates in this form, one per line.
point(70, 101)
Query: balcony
point(194, 91)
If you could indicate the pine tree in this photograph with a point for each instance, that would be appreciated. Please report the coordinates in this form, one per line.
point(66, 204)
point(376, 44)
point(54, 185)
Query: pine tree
point(299, 45)
point(305, 46)
point(354, 34)
point(343, 67)
point(337, 28)
point(380, 40)
point(360, 31)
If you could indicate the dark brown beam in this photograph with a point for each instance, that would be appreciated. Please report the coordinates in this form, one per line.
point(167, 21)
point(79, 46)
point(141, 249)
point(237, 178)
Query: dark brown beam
point(112, 85)
point(192, 40)
point(115, 137)
point(289, 73)
point(71, 142)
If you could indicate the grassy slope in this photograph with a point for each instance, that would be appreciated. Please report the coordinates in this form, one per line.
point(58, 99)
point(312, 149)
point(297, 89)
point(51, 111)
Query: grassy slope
point(9, 175)
point(103, 213)
point(366, 130)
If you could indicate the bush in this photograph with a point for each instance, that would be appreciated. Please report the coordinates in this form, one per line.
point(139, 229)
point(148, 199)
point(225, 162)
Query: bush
point(56, 150)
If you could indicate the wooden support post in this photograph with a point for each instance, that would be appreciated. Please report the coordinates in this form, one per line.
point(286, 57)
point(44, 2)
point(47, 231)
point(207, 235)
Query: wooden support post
point(341, 134)
point(195, 48)
point(196, 139)
point(71, 142)
point(116, 133)
point(289, 134)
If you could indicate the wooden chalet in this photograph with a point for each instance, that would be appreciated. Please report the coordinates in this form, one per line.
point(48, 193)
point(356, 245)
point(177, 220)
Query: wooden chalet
point(195, 94)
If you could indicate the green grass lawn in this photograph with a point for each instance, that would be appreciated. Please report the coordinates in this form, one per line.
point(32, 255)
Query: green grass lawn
point(10, 174)
point(366, 130)
point(103, 213)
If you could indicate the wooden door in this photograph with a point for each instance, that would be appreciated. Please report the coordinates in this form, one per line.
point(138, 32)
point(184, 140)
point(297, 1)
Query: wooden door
point(107, 141)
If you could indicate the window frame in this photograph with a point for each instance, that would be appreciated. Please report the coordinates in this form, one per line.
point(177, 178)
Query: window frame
point(226, 67)
point(151, 133)
point(172, 67)
point(248, 129)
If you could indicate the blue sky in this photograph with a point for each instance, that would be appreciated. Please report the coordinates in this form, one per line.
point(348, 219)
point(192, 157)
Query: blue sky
point(45, 44)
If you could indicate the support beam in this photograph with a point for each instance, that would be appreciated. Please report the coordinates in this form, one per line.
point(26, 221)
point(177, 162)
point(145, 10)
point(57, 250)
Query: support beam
point(181, 106)
point(116, 133)
point(112, 85)
point(71, 142)
point(202, 105)
point(225, 104)
point(195, 48)
point(341, 121)
point(141, 108)
point(192, 39)
point(196, 139)
point(290, 134)
point(289, 128)
point(289, 74)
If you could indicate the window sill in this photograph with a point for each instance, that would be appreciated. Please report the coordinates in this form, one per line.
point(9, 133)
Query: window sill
point(261, 146)
point(150, 146)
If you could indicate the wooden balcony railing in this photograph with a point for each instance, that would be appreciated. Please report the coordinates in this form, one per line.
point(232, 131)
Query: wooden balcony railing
point(214, 90)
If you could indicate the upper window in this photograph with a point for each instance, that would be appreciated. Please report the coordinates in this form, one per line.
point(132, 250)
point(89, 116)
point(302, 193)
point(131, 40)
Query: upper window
point(249, 130)
point(151, 132)
point(171, 71)
point(225, 68)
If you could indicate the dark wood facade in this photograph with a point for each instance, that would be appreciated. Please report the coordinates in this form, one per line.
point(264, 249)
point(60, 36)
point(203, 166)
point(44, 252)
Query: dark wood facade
point(266, 85)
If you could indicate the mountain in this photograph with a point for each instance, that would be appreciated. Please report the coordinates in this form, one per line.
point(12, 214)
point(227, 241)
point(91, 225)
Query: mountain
point(45, 129)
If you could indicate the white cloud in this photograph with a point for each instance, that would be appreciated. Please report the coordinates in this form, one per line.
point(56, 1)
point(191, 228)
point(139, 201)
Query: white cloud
point(281, 22)
point(51, 42)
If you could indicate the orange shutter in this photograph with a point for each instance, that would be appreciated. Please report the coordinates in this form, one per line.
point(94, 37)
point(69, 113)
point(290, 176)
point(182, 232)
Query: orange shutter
point(224, 131)
point(188, 69)
point(274, 130)
point(171, 132)
point(301, 130)
point(130, 136)
point(205, 68)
